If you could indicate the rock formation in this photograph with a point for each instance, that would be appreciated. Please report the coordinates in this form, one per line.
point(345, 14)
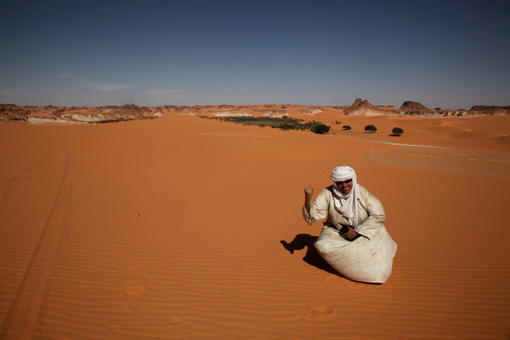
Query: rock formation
point(104, 113)
point(13, 113)
point(490, 110)
point(364, 108)
point(311, 110)
point(412, 106)
point(75, 114)
point(84, 114)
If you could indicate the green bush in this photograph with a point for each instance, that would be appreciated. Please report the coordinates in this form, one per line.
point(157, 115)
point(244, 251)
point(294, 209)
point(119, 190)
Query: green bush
point(370, 128)
point(346, 127)
point(286, 126)
point(397, 131)
point(320, 129)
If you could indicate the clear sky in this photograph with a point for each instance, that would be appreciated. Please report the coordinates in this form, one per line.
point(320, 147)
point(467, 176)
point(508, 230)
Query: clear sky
point(447, 53)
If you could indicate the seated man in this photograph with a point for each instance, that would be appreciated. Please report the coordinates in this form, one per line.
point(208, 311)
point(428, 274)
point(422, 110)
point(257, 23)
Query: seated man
point(353, 239)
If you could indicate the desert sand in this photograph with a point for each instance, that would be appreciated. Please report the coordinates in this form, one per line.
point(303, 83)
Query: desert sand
point(188, 228)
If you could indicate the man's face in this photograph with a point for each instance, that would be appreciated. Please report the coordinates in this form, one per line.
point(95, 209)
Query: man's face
point(345, 187)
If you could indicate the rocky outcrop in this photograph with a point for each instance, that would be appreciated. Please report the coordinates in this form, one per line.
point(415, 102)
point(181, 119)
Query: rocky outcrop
point(312, 110)
point(490, 110)
point(412, 106)
point(452, 113)
point(13, 114)
point(103, 113)
point(271, 113)
point(86, 114)
point(187, 110)
point(235, 110)
point(364, 108)
point(230, 113)
point(74, 114)
point(218, 111)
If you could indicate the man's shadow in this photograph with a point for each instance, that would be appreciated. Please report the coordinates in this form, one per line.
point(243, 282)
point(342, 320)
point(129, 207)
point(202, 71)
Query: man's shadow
point(312, 257)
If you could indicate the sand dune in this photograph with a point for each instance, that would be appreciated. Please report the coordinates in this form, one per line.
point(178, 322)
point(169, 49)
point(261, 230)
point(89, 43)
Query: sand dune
point(187, 228)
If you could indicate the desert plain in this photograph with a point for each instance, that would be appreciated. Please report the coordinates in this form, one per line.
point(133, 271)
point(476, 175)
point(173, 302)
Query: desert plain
point(187, 228)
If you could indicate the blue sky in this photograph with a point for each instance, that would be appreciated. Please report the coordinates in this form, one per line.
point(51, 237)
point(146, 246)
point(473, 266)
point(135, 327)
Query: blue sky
point(448, 54)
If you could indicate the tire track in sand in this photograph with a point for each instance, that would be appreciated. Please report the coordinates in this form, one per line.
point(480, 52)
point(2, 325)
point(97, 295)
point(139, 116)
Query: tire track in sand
point(22, 315)
point(23, 174)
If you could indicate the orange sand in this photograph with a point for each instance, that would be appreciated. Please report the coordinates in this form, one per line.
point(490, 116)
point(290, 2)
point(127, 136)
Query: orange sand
point(174, 228)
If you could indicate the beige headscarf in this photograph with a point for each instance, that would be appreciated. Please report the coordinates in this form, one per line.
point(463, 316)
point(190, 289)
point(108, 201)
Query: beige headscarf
point(346, 204)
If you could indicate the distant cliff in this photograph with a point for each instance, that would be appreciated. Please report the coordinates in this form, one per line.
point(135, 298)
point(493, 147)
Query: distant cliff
point(97, 114)
point(83, 114)
point(13, 113)
point(490, 110)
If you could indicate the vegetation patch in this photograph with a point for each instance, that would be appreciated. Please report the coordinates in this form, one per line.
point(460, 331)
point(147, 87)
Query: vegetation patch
point(106, 121)
point(117, 120)
point(284, 123)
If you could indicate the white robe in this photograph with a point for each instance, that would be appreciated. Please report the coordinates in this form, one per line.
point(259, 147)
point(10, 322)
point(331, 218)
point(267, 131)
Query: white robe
point(369, 258)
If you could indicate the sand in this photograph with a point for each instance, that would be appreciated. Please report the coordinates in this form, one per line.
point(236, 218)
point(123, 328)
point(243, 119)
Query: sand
point(187, 228)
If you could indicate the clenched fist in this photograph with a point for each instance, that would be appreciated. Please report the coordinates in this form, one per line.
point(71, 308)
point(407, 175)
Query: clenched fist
point(308, 197)
point(309, 191)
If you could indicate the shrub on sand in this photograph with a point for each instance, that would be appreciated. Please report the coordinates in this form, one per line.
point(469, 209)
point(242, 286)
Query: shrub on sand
point(397, 131)
point(370, 128)
point(320, 129)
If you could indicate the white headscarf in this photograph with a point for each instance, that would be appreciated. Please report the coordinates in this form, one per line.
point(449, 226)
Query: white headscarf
point(346, 204)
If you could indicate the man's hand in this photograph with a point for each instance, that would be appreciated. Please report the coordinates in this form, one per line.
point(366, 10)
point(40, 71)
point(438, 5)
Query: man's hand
point(349, 233)
point(309, 192)
point(308, 197)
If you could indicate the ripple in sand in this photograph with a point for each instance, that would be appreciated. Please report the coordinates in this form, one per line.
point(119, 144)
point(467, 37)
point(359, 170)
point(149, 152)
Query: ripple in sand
point(178, 324)
point(134, 290)
point(316, 313)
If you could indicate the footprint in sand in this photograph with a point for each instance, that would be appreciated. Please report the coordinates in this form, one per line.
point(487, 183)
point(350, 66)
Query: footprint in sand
point(134, 290)
point(123, 309)
point(178, 324)
point(321, 310)
point(304, 317)
point(151, 307)
point(120, 314)
point(316, 313)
